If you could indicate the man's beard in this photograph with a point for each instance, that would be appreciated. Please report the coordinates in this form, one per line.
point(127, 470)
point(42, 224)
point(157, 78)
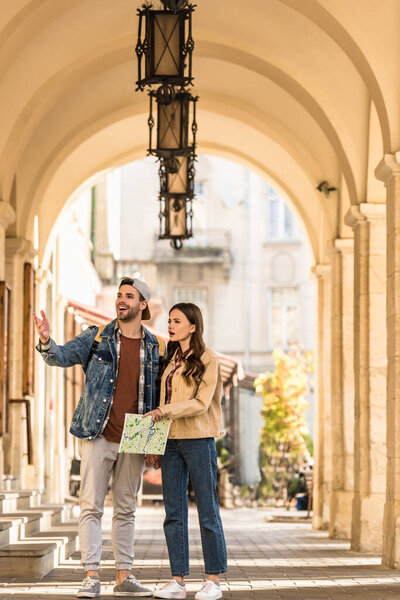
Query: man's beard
point(130, 314)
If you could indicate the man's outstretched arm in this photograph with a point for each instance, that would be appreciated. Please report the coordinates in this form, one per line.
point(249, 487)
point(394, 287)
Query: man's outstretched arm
point(72, 353)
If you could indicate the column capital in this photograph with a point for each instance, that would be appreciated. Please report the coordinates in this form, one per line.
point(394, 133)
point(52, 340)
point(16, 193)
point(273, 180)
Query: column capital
point(18, 245)
point(7, 214)
point(321, 271)
point(388, 167)
point(364, 211)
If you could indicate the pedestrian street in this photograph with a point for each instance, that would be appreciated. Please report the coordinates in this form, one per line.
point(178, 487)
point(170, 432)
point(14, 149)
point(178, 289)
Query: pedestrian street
point(267, 560)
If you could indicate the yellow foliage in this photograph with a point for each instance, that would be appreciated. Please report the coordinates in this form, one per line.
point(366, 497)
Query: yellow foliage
point(284, 410)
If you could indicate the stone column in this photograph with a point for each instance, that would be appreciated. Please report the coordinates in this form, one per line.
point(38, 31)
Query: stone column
point(322, 431)
point(368, 223)
point(18, 250)
point(40, 415)
point(388, 171)
point(7, 216)
point(342, 386)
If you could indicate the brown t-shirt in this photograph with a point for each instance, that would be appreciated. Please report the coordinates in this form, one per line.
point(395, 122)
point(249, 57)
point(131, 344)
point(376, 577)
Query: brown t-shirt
point(126, 390)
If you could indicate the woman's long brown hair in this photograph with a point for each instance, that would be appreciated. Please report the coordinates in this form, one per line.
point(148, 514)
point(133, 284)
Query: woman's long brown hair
point(194, 366)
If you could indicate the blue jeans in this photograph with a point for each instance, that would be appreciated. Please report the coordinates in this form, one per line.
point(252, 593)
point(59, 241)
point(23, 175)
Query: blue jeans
point(197, 458)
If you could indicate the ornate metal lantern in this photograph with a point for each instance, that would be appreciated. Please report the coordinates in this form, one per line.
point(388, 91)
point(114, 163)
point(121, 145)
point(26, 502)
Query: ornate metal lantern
point(176, 217)
point(176, 195)
point(167, 46)
point(177, 175)
point(174, 112)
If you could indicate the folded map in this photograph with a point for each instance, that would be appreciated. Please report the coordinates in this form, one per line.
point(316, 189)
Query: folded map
point(142, 435)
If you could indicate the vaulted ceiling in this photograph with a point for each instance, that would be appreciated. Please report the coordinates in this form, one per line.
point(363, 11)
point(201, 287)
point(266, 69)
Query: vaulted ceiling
point(298, 91)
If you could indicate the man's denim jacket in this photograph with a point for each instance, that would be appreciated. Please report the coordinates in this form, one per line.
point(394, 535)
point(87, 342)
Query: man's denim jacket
point(101, 375)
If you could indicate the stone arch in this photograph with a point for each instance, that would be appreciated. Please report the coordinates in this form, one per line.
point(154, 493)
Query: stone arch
point(24, 23)
point(76, 160)
point(26, 124)
point(315, 12)
point(118, 50)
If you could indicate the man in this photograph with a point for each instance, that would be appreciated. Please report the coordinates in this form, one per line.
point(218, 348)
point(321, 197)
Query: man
point(121, 366)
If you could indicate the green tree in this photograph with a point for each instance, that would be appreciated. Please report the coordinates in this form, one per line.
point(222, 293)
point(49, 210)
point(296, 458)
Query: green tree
point(285, 434)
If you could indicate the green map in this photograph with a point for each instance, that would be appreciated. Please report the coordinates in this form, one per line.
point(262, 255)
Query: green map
point(141, 435)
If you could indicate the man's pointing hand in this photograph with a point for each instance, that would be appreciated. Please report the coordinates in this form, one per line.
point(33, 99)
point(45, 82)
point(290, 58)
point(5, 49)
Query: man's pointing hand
point(42, 327)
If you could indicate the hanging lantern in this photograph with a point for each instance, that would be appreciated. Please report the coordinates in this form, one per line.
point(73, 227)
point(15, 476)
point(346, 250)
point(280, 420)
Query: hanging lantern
point(177, 175)
point(166, 50)
point(176, 217)
point(167, 46)
point(176, 195)
point(173, 134)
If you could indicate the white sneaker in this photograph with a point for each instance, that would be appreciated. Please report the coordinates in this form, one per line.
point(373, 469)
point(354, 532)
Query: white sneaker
point(172, 590)
point(209, 591)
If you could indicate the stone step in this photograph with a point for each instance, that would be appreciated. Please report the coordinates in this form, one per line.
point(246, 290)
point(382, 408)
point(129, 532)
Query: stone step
point(9, 530)
point(17, 525)
point(34, 537)
point(34, 556)
point(19, 499)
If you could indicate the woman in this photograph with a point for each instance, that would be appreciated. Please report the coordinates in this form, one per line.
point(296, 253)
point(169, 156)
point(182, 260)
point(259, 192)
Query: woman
point(191, 389)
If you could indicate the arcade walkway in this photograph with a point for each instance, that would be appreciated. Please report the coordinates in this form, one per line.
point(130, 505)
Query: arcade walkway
point(267, 561)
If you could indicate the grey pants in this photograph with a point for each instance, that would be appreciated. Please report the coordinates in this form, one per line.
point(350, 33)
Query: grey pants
point(100, 460)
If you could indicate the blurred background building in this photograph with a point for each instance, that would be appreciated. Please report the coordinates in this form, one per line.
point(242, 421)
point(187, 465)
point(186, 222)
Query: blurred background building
point(247, 267)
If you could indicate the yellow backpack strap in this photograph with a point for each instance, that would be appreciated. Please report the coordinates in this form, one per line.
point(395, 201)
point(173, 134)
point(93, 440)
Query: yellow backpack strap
point(99, 332)
point(95, 343)
point(162, 346)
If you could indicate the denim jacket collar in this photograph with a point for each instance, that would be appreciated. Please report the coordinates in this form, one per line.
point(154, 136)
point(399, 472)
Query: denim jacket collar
point(111, 328)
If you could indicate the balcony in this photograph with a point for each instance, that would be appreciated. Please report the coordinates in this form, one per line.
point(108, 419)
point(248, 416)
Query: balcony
point(209, 246)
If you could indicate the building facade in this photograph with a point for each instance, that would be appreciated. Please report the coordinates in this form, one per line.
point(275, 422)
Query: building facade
point(247, 266)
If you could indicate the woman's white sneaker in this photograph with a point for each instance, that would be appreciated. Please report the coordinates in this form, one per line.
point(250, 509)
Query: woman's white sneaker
point(172, 589)
point(209, 591)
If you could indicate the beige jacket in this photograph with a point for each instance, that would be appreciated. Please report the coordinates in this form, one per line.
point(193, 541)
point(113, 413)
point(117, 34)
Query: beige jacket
point(196, 413)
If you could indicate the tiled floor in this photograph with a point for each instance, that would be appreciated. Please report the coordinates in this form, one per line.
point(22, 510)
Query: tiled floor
point(268, 561)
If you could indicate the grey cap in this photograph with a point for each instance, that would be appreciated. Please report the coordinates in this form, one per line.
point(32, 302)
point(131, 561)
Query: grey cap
point(143, 289)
